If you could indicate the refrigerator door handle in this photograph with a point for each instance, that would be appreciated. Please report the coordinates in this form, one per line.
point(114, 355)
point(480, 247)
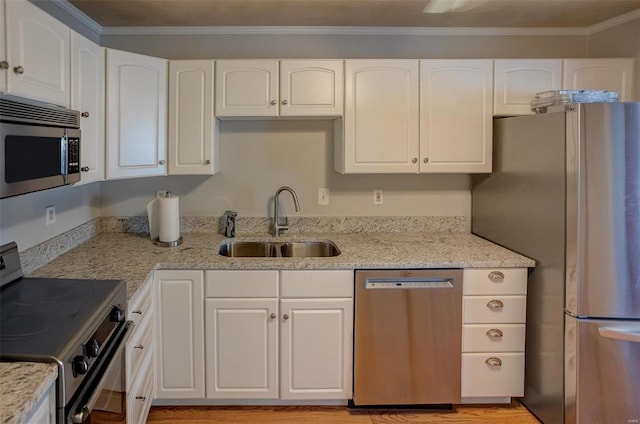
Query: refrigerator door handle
point(622, 333)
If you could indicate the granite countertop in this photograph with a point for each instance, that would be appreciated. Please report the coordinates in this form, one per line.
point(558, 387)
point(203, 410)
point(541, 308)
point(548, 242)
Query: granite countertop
point(131, 257)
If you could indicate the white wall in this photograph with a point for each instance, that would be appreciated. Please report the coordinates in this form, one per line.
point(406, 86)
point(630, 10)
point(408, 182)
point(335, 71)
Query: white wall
point(257, 157)
point(620, 41)
point(22, 218)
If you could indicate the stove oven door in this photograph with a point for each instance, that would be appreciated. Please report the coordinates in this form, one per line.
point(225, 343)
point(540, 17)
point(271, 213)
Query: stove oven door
point(104, 398)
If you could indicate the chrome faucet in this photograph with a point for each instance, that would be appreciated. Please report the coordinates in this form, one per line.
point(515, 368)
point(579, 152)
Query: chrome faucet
point(277, 226)
point(230, 223)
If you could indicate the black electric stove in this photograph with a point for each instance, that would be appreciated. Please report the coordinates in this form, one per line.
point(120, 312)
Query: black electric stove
point(70, 322)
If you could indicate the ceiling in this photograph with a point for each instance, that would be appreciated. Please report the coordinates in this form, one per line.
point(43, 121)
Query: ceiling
point(353, 13)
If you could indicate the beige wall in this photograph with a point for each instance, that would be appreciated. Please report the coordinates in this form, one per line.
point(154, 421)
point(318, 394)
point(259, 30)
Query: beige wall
point(620, 41)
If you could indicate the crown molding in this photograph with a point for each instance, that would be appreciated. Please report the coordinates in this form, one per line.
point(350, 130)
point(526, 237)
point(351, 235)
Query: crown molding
point(79, 15)
point(299, 30)
point(613, 22)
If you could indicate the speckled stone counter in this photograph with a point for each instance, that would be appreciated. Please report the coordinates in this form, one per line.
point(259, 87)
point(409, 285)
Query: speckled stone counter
point(22, 385)
point(132, 257)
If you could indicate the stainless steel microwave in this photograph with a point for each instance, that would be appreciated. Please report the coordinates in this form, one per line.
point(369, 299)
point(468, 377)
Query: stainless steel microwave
point(39, 146)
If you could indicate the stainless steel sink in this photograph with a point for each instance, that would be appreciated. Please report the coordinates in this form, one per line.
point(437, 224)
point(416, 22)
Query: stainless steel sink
point(272, 249)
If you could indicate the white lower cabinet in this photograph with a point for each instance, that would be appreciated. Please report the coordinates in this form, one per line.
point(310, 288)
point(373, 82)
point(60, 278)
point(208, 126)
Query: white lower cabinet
point(179, 334)
point(139, 356)
point(279, 334)
point(45, 410)
point(493, 334)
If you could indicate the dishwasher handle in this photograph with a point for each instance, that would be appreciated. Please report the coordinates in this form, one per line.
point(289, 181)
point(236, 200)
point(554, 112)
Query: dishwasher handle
point(408, 283)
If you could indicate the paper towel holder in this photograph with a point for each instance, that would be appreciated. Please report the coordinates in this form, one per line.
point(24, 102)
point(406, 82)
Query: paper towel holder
point(174, 243)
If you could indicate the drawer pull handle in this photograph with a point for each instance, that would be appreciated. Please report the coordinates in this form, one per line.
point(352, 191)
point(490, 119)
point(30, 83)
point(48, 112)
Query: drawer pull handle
point(493, 362)
point(494, 332)
point(496, 276)
point(141, 397)
point(137, 312)
point(495, 304)
point(139, 347)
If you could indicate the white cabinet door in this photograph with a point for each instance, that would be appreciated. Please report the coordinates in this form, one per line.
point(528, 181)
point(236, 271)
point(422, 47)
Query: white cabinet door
point(599, 74)
point(136, 115)
point(87, 96)
point(4, 63)
point(381, 118)
point(456, 115)
point(316, 348)
point(516, 82)
point(246, 88)
point(38, 54)
point(192, 124)
point(242, 348)
point(179, 333)
point(311, 87)
point(45, 411)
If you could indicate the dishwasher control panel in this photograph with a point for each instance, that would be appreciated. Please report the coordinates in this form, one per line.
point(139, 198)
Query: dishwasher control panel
point(408, 283)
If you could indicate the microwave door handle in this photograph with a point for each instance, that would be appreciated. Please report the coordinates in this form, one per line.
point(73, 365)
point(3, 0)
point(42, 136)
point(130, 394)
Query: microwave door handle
point(64, 169)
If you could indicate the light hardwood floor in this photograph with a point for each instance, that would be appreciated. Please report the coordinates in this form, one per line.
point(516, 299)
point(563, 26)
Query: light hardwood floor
point(467, 414)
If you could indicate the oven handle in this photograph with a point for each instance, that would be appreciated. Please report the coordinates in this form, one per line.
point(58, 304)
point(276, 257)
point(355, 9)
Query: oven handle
point(82, 412)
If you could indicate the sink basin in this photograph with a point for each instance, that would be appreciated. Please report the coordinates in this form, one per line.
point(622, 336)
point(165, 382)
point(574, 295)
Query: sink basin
point(271, 249)
point(309, 249)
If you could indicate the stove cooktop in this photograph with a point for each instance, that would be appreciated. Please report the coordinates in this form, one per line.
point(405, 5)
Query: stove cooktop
point(41, 317)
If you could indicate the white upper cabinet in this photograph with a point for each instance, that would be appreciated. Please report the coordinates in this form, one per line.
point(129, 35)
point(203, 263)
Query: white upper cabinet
point(192, 125)
point(4, 64)
point(87, 96)
point(600, 74)
point(516, 82)
point(136, 115)
point(253, 88)
point(37, 54)
point(456, 115)
point(381, 118)
point(311, 87)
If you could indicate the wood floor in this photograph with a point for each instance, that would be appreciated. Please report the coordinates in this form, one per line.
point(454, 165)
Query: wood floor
point(468, 414)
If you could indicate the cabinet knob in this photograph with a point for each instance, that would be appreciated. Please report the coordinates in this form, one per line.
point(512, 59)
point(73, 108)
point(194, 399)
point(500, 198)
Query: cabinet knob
point(85, 169)
point(137, 312)
point(495, 304)
point(161, 162)
point(273, 102)
point(414, 160)
point(493, 362)
point(496, 276)
point(494, 333)
point(85, 114)
point(207, 162)
point(285, 316)
point(139, 347)
point(272, 316)
point(18, 70)
point(141, 398)
point(284, 102)
point(4, 64)
point(425, 160)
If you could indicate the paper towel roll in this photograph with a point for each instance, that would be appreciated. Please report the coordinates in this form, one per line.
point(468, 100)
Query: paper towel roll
point(169, 218)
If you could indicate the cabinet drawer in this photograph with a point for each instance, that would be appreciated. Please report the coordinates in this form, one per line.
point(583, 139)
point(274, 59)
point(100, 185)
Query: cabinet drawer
point(309, 284)
point(486, 281)
point(139, 399)
point(141, 308)
point(480, 379)
point(138, 348)
point(241, 284)
point(478, 309)
point(493, 338)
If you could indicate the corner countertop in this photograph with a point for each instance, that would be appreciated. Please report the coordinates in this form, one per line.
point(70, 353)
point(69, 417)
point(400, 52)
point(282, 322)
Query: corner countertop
point(132, 257)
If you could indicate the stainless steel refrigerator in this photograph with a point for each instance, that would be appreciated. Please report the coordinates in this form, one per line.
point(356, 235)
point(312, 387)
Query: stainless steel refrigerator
point(565, 191)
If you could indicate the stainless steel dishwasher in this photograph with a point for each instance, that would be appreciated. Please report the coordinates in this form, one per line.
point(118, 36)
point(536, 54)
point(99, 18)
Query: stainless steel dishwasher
point(408, 337)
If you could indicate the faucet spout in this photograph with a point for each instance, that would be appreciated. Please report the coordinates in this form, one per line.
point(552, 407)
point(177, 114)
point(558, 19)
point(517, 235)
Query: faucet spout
point(279, 227)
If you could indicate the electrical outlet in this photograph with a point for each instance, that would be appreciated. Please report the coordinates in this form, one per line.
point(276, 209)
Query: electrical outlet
point(50, 215)
point(161, 193)
point(323, 196)
point(377, 197)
